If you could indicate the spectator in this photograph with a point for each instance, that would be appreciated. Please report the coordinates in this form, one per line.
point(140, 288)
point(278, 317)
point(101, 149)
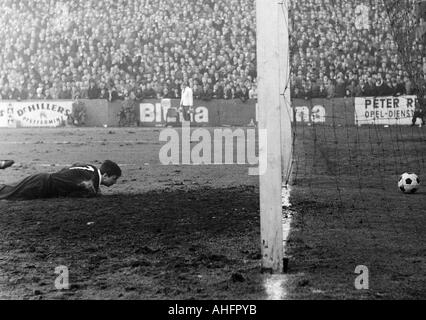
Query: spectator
point(315, 89)
point(197, 90)
point(23, 95)
point(64, 93)
point(5, 91)
point(398, 89)
point(340, 87)
point(253, 91)
point(30, 92)
point(47, 42)
point(322, 91)
point(93, 91)
point(227, 92)
point(381, 88)
point(298, 93)
point(104, 94)
point(330, 89)
point(218, 91)
point(15, 94)
point(139, 93)
point(369, 89)
point(166, 94)
point(114, 95)
point(39, 94)
point(84, 91)
point(353, 90)
point(149, 93)
point(244, 95)
point(54, 91)
point(408, 86)
point(207, 93)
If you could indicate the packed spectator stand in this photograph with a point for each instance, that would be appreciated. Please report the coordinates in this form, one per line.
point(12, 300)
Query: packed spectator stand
point(113, 49)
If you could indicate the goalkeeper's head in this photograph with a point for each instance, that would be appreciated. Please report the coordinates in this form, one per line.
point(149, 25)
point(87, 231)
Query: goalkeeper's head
point(110, 172)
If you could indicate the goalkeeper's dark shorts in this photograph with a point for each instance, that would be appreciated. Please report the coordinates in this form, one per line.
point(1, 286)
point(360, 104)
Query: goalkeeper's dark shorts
point(37, 186)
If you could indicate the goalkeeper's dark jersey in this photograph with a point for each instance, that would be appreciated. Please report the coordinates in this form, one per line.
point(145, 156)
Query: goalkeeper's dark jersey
point(80, 180)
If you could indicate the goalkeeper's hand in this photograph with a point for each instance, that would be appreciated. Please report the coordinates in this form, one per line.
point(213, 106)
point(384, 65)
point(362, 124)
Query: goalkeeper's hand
point(89, 187)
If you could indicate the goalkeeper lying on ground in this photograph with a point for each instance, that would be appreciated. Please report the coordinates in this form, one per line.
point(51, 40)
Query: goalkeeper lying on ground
point(80, 180)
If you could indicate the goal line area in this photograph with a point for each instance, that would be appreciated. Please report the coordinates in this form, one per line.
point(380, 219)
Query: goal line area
point(347, 209)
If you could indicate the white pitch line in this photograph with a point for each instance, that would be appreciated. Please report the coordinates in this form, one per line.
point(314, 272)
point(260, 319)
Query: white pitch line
point(77, 142)
point(276, 285)
point(135, 164)
point(69, 164)
point(285, 193)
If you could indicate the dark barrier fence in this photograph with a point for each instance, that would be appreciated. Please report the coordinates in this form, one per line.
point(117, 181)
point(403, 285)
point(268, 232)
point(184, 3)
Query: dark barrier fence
point(155, 112)
point(356, 111)
point(97, 112)
point(206, 113)
point(113, 113)
point(238, 113)
point(338, 111)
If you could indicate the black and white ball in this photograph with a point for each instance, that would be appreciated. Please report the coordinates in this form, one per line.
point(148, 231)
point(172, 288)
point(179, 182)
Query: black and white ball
point(409, 183)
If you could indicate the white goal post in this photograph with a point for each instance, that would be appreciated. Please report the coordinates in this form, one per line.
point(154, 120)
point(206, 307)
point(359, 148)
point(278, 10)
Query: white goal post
point(274, 117)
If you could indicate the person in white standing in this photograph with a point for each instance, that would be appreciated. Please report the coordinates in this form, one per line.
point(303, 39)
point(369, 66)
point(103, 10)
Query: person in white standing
point(186, 101)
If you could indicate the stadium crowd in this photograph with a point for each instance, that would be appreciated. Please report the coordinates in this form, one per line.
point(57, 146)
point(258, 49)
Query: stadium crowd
point(112, 49)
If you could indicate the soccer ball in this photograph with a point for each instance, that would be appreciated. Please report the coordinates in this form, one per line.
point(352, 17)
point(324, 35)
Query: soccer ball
point(409, 183)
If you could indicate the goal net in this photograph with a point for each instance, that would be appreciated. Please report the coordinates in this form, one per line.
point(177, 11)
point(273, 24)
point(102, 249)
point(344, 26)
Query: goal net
point(356, 83)
point(357, 76)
